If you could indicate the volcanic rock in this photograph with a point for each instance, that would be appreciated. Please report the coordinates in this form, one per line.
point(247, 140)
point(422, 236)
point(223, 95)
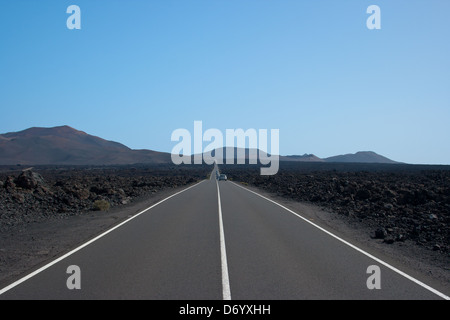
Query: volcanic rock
point(29, 180)
point(380, 233)
point(9, 183)
point(362, 194)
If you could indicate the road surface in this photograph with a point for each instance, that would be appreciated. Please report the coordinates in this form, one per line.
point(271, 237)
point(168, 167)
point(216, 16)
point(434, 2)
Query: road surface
point(218, 240)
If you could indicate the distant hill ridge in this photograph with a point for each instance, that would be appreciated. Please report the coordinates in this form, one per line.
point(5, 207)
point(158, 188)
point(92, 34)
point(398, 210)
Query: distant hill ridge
point(65, 145)
point(360, 157)
point(304, 158)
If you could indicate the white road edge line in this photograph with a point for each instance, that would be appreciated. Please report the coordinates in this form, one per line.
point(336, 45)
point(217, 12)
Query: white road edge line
point(407, 276)
point(226, 292)
point(29, 276)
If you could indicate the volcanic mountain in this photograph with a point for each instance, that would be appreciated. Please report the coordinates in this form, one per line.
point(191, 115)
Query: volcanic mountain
point(67, 146)
point(360, 157)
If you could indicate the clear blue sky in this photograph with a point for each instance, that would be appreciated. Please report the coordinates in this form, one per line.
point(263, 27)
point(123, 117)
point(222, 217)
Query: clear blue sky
point(137, 70)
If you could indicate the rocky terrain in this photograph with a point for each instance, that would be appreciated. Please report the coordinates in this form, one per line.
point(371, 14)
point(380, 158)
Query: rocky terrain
point(35, 194)
point(395, 202)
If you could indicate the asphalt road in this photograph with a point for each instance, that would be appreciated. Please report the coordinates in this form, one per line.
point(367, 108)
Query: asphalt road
point(217, 240)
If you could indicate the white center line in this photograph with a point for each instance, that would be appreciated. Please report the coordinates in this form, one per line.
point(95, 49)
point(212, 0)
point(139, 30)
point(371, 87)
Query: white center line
point(226, 292)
